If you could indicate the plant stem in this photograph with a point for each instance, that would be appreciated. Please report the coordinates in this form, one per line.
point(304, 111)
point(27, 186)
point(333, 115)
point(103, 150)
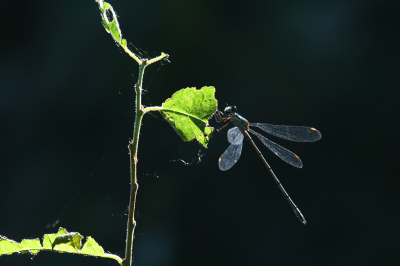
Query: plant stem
point(133, 149)
point(133, 145)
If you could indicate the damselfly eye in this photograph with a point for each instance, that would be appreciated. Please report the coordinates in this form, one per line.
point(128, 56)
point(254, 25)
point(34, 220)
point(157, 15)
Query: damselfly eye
point(234, 109)
point(228, 111)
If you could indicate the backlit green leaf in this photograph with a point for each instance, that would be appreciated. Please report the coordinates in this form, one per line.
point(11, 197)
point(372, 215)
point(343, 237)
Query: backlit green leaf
point(188, 112)
point(113, 28)
point(8, 246)
point(60, 242)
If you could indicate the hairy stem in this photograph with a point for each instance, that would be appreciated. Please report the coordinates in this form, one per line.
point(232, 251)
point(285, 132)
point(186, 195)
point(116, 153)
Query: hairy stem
point(133, 149)
point(115, 31)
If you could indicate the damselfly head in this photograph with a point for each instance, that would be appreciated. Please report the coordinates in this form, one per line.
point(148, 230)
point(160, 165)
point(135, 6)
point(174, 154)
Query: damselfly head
point(230, 110)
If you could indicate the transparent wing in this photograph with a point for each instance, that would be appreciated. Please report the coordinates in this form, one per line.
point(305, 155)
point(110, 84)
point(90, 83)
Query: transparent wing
point(235, 136)
point(280, 151)
point(230, 156)
point(293, 133)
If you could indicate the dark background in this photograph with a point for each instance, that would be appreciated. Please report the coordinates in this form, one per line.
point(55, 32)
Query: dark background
point(66, 116)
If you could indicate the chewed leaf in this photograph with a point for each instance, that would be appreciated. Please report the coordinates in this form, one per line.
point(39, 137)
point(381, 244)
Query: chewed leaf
point(91, 246)
point(30, 245)
point(188, 112)
point(60, 242)
point(8, 247)
point(113, 26)
point(70, 241)
point(49, 239)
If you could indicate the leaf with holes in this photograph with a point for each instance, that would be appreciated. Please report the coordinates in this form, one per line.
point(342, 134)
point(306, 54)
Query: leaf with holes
point(114, 29)
point(188, 112)
point(60, 242)
point(113, 26)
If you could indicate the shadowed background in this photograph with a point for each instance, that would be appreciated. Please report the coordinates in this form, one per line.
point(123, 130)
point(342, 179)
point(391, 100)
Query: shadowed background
point(66, 116)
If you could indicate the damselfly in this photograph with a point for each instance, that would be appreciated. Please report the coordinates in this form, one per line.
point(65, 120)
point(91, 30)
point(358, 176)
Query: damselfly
point(240, 132)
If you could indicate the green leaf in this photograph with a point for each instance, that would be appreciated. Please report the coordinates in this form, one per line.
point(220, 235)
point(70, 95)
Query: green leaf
point(30, 245)
point(60, 242)
point(70, 242)
point(8, 246)
point(188, 112)
point(113, 28)
point(91, 246)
